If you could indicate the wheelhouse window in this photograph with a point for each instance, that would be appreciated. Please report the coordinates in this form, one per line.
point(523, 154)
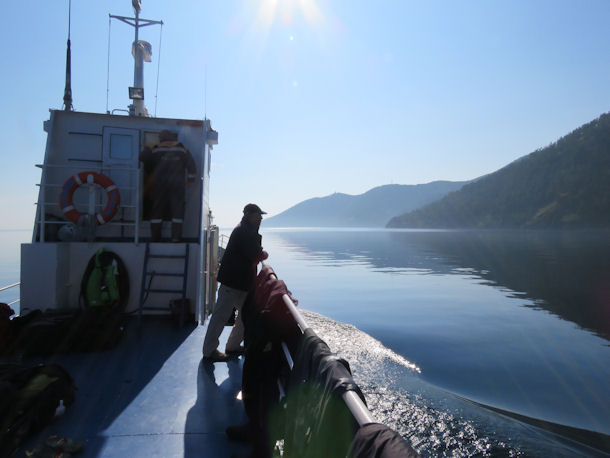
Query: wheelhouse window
point(120, 146)
point(150, 139)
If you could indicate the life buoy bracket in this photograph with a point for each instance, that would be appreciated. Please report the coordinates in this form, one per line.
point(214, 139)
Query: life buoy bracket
point(67, 193)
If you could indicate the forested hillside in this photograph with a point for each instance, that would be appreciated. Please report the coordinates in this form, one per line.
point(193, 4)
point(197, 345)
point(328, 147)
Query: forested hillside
point(566, 185)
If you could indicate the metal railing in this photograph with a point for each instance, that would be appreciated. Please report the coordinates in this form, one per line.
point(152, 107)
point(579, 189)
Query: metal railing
point(134, 203)
point(7, 287)
point(355, 405)
point(224, 239)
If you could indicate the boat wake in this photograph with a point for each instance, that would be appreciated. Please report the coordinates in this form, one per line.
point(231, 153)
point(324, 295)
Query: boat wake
point(434, 421)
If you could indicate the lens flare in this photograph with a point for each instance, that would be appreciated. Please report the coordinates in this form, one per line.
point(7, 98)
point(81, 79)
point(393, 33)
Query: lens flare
point(285, 11)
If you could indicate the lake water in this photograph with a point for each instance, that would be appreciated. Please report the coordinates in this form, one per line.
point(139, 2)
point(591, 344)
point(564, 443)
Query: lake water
point(514, 320)
point(10, 249)
point(460, 340)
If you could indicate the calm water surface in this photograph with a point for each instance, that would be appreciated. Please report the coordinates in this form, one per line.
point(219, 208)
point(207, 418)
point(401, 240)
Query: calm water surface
point(514, 320)
point(10, 250)
point(437, 324)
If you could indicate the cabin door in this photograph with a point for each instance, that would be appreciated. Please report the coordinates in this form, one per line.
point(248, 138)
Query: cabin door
point(121, 149)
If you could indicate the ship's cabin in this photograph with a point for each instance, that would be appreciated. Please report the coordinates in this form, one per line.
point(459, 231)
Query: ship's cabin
point(62, 245)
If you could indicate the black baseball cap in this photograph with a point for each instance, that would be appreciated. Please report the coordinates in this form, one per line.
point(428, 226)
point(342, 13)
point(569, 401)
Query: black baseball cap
point(253, 208)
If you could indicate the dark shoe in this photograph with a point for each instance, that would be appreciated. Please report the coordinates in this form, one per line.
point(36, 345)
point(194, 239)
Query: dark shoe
point(239, 433)
point(155, 232)
point(176, 232)
point(216, 357)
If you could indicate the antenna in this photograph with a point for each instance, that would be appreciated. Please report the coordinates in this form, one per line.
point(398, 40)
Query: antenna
point(68, 88)
point(205, 92)
point(108, 67)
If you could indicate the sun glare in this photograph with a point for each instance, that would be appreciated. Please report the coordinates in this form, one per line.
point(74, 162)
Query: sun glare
point(285, 11)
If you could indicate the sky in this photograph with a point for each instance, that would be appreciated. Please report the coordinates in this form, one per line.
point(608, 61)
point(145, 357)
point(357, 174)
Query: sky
point(312, 97)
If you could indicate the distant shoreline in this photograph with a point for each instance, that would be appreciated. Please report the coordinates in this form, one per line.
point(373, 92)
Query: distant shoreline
point(409, 229)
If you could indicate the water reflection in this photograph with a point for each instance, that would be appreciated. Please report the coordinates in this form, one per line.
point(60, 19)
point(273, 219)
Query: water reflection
point(470, 309)
point(565, 273)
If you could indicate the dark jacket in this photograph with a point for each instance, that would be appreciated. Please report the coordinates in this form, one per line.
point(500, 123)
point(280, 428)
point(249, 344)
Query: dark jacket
point(243, 252)
point(168, 161)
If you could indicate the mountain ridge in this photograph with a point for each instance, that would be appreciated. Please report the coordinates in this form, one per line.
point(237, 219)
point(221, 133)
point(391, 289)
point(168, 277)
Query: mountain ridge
point(373, 208)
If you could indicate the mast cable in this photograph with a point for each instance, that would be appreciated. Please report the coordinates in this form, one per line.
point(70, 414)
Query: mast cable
point(108, 66)
point(158, 66)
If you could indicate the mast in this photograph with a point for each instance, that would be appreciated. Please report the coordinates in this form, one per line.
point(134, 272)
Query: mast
point(138, 66)
point(141, 51)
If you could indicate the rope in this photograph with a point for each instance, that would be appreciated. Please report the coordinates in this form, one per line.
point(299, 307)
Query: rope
point(158, 67)
point(108, 66)
point(152, 275)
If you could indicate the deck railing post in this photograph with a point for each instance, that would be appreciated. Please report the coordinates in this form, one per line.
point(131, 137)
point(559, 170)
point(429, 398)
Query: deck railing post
point(41, 209)
point(137, 205)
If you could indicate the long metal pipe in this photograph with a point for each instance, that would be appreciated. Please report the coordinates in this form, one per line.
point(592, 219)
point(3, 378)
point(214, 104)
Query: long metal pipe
point(295, 313)
point(357, 408)
point(4, 288)
point(352, 400)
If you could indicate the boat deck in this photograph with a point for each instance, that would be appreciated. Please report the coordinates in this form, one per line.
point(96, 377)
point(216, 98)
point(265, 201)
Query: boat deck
point(151, 396)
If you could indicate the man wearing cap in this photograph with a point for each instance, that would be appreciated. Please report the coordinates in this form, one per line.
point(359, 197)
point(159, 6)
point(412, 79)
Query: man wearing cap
point(236, 276)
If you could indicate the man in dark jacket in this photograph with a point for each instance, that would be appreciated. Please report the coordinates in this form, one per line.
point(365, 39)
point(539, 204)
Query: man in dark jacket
point(166, 165)
point(236, 275)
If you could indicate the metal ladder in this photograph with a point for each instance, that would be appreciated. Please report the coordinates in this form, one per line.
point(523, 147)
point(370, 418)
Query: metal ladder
point(147, 273)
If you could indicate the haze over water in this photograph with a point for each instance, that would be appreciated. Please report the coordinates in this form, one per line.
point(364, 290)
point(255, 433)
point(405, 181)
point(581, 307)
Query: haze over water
point(516, 320)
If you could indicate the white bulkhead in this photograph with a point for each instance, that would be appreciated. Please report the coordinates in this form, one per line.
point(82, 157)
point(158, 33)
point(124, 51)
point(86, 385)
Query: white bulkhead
point(52, 265)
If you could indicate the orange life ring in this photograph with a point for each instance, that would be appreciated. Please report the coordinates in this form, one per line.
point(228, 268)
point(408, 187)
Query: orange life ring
point(67, 192)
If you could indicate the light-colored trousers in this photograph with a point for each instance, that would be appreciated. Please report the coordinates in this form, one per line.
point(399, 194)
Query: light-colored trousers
point(227, 299)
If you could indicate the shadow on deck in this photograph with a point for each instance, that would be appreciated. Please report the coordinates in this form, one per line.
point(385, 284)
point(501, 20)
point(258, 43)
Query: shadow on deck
point(151, 396)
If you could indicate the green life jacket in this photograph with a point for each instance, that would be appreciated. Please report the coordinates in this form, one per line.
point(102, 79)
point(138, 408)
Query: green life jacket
point(102, 288)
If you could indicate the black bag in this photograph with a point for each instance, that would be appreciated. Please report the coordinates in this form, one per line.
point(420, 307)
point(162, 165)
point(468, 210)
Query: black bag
point(29, 397)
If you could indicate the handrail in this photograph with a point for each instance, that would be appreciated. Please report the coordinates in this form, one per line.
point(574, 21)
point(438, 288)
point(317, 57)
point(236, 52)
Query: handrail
point(4, 288)
point(294, 312)
point(221, 240)
point(352, 400)
point(132, 204)
point(93, 166)
point(52, 185)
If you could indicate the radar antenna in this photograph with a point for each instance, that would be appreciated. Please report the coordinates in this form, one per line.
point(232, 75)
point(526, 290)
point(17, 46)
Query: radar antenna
point(68, 88)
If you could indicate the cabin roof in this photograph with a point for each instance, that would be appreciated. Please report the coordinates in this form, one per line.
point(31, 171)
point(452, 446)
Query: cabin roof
point(134, 119)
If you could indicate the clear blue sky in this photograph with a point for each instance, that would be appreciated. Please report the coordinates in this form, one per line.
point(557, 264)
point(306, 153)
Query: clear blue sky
point(312, 97)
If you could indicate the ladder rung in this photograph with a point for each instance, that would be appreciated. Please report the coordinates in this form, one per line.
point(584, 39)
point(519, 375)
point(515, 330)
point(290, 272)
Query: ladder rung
point(167, 256)
point(154, 290)
point(165, 274)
